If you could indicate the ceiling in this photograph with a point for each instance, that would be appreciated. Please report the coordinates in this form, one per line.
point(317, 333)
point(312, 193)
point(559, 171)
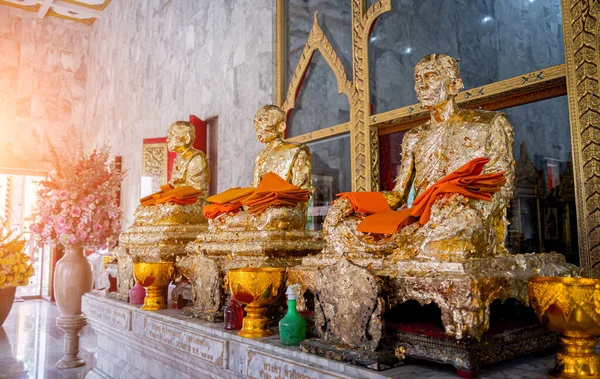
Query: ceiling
point(84, 11)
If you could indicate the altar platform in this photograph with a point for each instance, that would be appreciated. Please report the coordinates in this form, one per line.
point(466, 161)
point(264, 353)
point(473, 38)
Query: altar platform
point(166, 344)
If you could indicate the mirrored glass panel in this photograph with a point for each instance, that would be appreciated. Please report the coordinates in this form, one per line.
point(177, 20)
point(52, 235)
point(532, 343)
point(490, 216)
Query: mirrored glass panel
point(542, 214)
point(495, 40)
point(318, 104)
point(330, 175)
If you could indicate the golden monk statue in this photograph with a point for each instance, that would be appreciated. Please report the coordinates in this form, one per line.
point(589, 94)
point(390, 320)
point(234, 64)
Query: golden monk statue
point(181, 200)
point(291, 161)
point(167, 220)
point(459, 227)
point(262, 225)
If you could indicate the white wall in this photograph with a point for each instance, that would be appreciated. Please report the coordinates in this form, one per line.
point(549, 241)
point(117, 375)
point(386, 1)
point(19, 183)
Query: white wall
point(157, 61)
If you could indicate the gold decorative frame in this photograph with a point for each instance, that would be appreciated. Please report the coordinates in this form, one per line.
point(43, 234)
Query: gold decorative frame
point(580, 29)
point(578, 78)
point(32, 8)
point(99, 7)
point(87, 21)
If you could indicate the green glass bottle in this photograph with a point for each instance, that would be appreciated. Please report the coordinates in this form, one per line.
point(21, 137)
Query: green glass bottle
point(292, 327)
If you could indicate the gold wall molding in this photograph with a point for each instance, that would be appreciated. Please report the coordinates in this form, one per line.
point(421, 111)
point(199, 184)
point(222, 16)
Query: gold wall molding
point(364, 139)
point(580, 29)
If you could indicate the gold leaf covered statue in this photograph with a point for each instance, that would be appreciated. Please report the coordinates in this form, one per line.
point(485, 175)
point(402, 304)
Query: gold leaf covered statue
point(291, 161)
point(180, 201)
point(459, 227)
point(166, 221)
point(461, 166)
point(262, 225)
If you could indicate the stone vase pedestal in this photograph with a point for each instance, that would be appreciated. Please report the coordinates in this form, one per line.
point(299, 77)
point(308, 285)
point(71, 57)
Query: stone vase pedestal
point(73, 278)
point(7, 297)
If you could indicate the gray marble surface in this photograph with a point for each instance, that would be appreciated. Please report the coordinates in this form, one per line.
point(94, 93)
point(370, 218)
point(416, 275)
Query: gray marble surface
point(31, 343)
point(154, 62)
point(136, 353)
point(43, 75)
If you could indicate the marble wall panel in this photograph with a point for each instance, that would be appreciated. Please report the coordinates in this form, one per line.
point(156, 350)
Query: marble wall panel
point(43, 74)
point(155, 62)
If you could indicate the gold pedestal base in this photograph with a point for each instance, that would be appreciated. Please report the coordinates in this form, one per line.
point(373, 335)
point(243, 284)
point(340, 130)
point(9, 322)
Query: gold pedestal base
point(156, 299)
point(576, 359)
point(462, 290)
point(255, 324)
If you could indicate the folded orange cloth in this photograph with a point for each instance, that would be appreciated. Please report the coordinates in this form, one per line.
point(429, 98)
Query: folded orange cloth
point(213, 210)
point(386, 222)
point(466, 181)
point(226, 201)
point(168, 194)
point(366, 202)
point(230, 195)
point(273, 190)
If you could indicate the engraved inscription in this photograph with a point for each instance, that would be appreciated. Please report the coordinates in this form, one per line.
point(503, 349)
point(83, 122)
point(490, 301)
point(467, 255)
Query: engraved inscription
point(110, 316)
point(198, 345)
point(264, 366)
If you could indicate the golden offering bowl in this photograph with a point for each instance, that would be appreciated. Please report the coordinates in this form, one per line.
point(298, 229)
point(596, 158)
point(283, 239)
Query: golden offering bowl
point(571, 307)
point(156, 277)
point(257, 287)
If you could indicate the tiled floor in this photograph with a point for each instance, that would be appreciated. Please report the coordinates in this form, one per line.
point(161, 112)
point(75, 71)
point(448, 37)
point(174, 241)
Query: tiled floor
point(31, 343)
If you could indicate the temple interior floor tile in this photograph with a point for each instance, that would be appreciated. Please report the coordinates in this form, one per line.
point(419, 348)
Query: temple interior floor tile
point(31, 344)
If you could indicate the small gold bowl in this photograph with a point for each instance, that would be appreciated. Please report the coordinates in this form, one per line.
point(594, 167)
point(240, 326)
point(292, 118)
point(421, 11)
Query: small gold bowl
point(570, 307)
point(257, 287)
point(156, 277)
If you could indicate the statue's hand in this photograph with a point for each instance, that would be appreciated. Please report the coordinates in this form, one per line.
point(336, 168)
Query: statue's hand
point(392, 198)
point(341, 209)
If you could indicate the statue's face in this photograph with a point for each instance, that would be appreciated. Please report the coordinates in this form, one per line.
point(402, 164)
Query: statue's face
point(266, 130)
point(432, 86)
point(177, 140)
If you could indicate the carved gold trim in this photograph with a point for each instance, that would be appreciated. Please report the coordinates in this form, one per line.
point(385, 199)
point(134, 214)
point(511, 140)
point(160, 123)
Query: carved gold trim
point(99, 7)
point(32, 8)
point(321, 133)
point(364, 138)
point(580, 29)
point(87, 21)
point(317, 41)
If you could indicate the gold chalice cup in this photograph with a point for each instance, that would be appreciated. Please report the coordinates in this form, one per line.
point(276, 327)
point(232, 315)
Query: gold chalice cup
point(257, 287)
point(156, 277)
point(571, 307)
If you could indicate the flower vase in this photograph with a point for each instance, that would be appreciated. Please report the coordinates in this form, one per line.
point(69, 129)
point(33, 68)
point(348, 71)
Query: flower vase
point(73, 278)
point(7, 296)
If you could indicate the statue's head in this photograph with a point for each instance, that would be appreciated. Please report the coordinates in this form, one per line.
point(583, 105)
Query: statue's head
point(181, 136)
point(269, 123)
point(437, 79)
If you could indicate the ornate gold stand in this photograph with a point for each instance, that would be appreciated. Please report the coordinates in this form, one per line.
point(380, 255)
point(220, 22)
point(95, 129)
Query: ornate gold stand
point(156, 277)
point(258, 288)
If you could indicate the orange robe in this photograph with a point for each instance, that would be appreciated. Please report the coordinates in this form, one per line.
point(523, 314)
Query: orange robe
point(168, 194)
point(466, 181)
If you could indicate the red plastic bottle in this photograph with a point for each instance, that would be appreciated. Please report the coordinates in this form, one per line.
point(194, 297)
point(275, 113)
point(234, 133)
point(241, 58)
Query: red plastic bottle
point(234, 314)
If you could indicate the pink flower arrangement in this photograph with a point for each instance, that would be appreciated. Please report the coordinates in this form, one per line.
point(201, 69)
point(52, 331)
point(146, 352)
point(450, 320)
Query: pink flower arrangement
point(78, 201)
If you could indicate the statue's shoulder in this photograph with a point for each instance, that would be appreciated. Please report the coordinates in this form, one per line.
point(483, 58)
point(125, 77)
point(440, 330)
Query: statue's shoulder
point(480, 116)
point(197, 156)
point(295, 146)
